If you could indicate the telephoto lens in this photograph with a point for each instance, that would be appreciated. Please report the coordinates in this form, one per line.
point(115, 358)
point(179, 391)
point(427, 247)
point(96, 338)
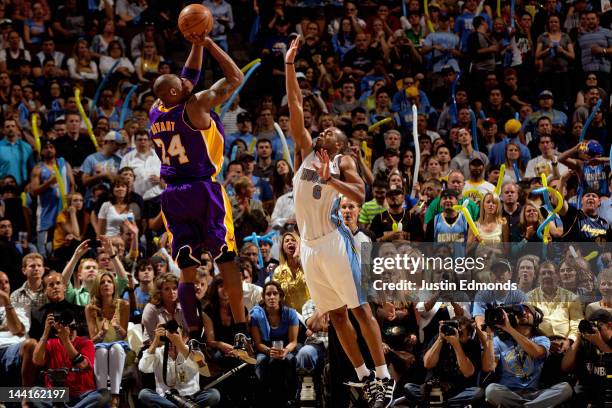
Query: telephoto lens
point(180, 401)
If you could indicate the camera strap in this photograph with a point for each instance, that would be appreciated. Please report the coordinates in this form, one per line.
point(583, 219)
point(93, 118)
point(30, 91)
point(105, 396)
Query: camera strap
point(165, 363)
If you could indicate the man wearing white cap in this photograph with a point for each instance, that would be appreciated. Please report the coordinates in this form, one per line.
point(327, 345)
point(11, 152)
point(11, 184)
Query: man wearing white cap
point(102, 166)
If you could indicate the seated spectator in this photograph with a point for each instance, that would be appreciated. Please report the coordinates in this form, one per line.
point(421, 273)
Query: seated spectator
point(219, 327)
point(36, 28)
point(605, 288)
point(561, 312)
point(73, 352)
point(57, 305)
point(311, 356)
point(14, 324)
point(587, 359)
point(141, 294)
point(274, 328)
point(377, 205)
point(118, 209)
point(30, 296)
point(526, 273)
point(181, 371)
point(124, 69)
point(107, 320)
point(163, 307)
point(251, 293)
point(101, 42)
point(453, 360)
point(281, 180)
point(524, 349)
point(147, 63)
point(248, 214)
point(81, 66)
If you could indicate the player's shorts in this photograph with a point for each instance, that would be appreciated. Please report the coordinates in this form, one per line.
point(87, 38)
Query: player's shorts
point(198, 213)
point(332, 271)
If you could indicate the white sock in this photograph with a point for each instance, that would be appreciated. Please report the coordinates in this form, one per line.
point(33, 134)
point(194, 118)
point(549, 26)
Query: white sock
point(362, 371)
point(382, 372)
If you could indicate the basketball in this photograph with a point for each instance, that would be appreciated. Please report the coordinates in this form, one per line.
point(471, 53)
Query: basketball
point(195, 19)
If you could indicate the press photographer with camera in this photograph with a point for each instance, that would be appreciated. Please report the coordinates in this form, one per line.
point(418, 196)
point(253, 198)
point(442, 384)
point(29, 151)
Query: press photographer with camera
point(452, 360)
point(73, 353)
point(517, 354)
point(57, 305)
point(589, 359)
point(177, 380)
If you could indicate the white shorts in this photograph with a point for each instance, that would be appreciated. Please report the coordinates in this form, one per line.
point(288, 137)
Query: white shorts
point(332, 271)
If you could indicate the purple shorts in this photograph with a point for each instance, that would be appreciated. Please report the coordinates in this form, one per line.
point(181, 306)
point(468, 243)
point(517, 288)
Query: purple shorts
point(198, 213)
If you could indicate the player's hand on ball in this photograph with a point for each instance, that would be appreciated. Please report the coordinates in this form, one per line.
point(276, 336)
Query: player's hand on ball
point(196, 39)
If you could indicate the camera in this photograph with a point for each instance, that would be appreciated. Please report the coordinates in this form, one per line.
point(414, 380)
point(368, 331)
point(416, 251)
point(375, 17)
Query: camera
point(433, 394)
point(180, 401)
point(494, 315)
point(449, 327)
point(64, 317)
point(171, 326)
point(587, 327)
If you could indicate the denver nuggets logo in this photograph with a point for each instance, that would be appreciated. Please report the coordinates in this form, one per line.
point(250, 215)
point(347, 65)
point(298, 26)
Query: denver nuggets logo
point(316, 192)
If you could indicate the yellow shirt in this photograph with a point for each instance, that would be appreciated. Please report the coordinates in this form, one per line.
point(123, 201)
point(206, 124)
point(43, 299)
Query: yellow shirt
point(562, 313)
point(296, 291)
point(58, 233)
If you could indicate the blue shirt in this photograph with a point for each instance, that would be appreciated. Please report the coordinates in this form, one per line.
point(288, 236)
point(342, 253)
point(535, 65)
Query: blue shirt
point(437, 59)
point(517, 369)
point(494, 297)
point(259, 319)
point(141, 300)
point(605, 210)
point(464, 27)
point(95, 160)
point(277, 148)
point(247, 138)
point(15, 159)
point(497, 155)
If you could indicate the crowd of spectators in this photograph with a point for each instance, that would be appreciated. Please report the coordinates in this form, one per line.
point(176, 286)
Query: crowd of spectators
point(87, 281)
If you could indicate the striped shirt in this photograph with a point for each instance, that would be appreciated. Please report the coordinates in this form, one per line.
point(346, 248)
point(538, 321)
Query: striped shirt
point(369, 210)
point(595, 63)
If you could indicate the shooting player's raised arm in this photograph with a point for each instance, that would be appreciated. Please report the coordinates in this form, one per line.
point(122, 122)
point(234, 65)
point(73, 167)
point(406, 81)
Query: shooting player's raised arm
point(301, 136)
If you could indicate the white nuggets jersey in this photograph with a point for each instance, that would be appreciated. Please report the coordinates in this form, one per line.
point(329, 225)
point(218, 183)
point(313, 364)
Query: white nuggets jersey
point(316, 203)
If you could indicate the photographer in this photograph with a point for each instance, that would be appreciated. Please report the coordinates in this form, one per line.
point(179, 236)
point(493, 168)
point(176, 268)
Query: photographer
point(452, 359)
point(71, 352)
point(181, 380)
point(587, 358)
point(521, 352)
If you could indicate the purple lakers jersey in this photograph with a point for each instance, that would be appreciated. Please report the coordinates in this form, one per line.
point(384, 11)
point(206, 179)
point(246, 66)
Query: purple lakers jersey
point(185, 152)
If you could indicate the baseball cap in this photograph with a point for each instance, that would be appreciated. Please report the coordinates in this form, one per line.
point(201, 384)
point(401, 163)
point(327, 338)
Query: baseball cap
point(512, 127)
point(46, 142)
point(243, 117)
point(449, 192)
point(545, 94)
point(501, 264)
point(601, 315)
point(476, 160)
point(300, 75)
point(113, 136)
point(244, 157)
point(444, 17)
point(593, 148)
point(488, 122)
